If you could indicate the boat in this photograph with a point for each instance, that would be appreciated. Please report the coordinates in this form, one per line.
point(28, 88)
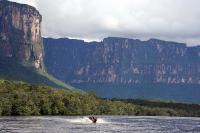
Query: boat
point(93, 119)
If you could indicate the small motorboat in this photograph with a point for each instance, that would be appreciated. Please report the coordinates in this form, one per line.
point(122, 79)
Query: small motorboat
point(93, 119)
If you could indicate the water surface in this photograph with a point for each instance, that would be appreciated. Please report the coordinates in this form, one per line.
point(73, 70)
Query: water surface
point(105, 124)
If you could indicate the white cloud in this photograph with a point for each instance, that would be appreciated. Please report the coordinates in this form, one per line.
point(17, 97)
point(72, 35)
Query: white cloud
point(95, 19)
point(29, 2)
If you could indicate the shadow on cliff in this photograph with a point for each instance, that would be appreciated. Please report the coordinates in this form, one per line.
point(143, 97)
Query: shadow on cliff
point(11, 69)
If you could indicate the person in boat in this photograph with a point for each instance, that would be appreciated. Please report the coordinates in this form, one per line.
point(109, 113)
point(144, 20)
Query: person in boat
point(93, 119)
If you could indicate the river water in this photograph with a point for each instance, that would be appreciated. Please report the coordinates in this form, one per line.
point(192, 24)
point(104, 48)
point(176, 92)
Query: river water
point(105, 124)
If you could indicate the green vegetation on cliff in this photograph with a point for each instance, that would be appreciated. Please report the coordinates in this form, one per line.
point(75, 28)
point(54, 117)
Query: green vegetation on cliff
point(12, 69)
point(19, 98)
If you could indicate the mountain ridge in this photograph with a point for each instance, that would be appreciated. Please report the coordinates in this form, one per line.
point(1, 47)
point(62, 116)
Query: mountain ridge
point(141, 65)
point(151, 52)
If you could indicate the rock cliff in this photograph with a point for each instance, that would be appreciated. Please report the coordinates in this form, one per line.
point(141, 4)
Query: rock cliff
point(127, 68)
point(123, 61)
point(20, 33)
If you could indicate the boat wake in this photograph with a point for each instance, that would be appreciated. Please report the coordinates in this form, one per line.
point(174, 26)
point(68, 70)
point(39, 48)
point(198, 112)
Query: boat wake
point(86, 120)
point(75, 120)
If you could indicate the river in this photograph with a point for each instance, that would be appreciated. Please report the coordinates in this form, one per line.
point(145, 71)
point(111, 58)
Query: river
point(105, 124)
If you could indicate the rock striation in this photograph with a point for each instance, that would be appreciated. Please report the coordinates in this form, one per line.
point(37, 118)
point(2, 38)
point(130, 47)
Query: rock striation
point(122, 61)
point(20, 33)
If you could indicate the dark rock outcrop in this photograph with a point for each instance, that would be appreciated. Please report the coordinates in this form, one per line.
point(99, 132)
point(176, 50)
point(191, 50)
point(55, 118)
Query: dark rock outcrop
point(20, 33)
point(123, 61)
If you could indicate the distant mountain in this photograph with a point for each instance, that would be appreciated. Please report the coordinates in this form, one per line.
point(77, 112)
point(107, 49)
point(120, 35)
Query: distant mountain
point(114, 68)
point(127, 68)
point(21, 45)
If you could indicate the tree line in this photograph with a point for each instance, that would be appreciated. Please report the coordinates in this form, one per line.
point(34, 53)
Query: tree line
point(23, 99)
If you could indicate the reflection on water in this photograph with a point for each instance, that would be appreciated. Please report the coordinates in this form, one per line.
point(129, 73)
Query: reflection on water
point(105, 124)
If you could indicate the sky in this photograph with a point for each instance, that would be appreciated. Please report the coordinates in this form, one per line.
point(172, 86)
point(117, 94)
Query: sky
point(173, 20)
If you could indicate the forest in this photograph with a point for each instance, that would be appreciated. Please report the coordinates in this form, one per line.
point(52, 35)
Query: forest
point(23, 99)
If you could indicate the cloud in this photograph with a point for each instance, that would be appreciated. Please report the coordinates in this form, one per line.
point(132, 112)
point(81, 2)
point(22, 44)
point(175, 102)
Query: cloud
point(177, 20)
point(29, 2)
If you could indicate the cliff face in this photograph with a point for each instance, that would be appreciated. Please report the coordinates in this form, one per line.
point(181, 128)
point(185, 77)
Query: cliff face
point(123, 61)
point(20, 33)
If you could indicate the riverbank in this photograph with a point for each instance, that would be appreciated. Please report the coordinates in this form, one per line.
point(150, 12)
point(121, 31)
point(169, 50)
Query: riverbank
point(22, 99)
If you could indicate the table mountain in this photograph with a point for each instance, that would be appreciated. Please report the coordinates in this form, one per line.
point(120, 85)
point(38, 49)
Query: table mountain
point(21, 45)
point(121, 60)
point(141, 65)
point(20, 33)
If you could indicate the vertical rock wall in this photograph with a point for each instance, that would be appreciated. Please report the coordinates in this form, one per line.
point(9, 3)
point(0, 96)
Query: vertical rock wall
point(122, 61)
point(20, 33)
